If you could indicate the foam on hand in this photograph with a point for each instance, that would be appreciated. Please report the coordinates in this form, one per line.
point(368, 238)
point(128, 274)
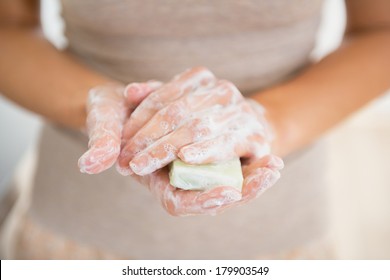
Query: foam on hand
point(206, 176)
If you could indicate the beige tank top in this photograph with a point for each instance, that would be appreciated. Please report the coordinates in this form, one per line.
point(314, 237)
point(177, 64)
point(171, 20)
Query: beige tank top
point(253, 43)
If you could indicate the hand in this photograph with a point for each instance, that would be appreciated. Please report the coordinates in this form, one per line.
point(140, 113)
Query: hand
point(258, 177)
point(108, 107)
point(198, 119)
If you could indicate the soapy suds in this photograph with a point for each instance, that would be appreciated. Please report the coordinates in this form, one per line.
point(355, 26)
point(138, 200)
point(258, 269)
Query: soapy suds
point(106, 113)
point(165, 126)
point(231, 129)
point(163, 96)
point(216, 116)
point(211, 131)
point(137, 91)
point(148, 163)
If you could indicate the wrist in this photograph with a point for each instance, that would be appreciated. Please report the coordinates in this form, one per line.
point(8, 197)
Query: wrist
point(275, 115)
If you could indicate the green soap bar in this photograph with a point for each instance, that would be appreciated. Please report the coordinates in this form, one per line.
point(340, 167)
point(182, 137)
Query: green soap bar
point(206, 176)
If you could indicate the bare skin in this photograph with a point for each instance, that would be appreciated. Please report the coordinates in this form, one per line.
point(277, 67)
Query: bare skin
point(299, 111)
point(37, 76)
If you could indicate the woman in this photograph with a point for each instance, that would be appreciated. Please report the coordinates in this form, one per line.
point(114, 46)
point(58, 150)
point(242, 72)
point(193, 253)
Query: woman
point(261, 47)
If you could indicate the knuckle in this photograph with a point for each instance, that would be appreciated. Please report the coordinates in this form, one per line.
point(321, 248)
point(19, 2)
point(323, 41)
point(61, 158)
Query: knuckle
point(173, 109)
point(232, 90)
point(171, 115)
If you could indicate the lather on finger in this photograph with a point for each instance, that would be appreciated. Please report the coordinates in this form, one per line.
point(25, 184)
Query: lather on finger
point(164, 150)
point(180, 85)
point(239, 135)
point(107, 110)
point(200, 126)
point(205, 152)
point(260, 174)
point(171, 116)
point(184, 203)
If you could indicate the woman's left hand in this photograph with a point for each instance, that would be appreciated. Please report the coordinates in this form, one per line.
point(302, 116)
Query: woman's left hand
point(108, 106)
point(212, 122)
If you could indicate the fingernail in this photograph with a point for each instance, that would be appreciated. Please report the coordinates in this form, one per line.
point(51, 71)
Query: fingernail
point(83, 167)
point(132, 90)
point(193, 156)
point(82, 164)
point(139, 164)
point(186, 155)
point(123, 170)
point(277, 162)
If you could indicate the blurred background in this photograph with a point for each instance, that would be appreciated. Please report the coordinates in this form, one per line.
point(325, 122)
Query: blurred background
point(359, 152)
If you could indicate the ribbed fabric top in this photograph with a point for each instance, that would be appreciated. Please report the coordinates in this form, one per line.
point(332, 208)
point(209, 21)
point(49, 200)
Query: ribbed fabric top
point(253, 43)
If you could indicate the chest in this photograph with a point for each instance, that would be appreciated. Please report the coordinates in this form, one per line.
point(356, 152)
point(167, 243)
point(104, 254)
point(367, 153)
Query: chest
point(185, 17)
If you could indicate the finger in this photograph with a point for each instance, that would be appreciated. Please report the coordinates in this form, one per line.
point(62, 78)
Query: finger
point(106, 113)
point(201, 126)
point(259, 111)
point(134, 93)
point(183, 203)
point(260, 175)
point(223, 148)
point(164, 151)
point(181, 84)
point(145, 137)
point(168, 118)
point(239, 134)
point(270, 161)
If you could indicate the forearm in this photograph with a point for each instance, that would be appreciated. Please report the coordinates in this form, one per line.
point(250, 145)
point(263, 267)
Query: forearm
point(304, 108)
point(42, 79)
